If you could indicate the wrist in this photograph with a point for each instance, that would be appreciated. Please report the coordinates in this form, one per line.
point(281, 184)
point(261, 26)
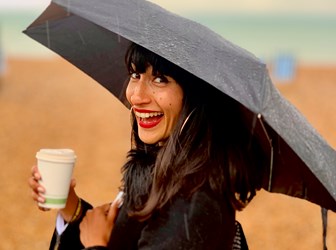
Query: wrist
point(78, 211)
point(71, 208)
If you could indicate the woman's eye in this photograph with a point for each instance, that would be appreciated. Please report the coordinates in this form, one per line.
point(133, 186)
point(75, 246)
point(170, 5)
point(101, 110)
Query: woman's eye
point(160, 79)
point(135, 75)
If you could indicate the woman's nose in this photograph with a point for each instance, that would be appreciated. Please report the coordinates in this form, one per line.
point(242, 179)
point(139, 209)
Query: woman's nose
point(140, 93)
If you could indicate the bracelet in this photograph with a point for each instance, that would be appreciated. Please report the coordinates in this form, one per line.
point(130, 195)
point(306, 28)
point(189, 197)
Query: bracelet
point(77, 212)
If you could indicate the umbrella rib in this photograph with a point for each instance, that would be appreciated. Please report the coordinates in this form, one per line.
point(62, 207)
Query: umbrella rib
point(118, 27)
point(271, 158)
point(48, 36)
point(81, 37)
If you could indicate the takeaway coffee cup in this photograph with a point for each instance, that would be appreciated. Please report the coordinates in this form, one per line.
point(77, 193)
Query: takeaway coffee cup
point(55, 167)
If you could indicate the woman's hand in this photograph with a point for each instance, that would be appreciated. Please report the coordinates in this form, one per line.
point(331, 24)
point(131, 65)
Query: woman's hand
point(38, 191)
point(97, 225)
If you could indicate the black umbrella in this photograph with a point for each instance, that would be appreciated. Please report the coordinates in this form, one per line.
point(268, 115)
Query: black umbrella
point(94, 35)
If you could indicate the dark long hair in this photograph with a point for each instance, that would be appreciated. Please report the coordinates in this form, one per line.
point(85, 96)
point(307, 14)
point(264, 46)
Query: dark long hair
point(210, 147)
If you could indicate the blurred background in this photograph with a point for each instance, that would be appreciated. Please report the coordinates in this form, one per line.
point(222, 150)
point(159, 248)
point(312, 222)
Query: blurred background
point(47, 103)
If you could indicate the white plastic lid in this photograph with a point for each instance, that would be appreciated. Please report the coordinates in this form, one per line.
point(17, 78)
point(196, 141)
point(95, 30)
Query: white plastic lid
point(63, 155)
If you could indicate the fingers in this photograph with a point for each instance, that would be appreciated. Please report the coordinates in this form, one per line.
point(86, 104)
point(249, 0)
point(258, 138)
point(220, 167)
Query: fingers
point(114, 207)
point(35, 173)
point(113, 212)
point(73, 183)
point(97, 225)
point(37, 189)
point(95, 229)
point(33, 181)
point(106, 212)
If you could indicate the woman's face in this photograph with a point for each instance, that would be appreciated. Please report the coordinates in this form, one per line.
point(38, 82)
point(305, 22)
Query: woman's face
point(157, 102)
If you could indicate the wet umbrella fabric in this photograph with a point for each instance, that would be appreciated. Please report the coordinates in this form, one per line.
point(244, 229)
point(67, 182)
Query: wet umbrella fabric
point(94, 35)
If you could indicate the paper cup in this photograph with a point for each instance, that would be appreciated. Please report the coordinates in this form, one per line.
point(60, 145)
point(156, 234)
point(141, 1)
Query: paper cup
point(55, 167)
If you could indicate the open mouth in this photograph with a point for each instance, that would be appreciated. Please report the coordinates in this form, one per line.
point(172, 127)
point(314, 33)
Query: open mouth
point(148, 119)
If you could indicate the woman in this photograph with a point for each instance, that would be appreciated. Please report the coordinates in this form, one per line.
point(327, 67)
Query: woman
point(188, 171)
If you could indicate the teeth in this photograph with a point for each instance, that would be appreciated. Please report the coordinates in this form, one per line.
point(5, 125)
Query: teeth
point(147, 115)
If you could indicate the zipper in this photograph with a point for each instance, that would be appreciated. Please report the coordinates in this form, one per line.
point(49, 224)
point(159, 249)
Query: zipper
point(58, 241)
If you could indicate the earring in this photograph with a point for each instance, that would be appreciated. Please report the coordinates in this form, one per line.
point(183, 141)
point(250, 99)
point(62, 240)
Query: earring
point(186, 119)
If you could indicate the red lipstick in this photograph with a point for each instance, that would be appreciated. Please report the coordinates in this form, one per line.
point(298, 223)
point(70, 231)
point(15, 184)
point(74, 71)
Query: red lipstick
point(148, 118)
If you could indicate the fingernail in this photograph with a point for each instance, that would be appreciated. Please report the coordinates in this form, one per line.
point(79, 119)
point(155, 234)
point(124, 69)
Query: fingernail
point(119, 199)
point(40, 199)
point(40, 190)
point(120, 204)
point(119, 195)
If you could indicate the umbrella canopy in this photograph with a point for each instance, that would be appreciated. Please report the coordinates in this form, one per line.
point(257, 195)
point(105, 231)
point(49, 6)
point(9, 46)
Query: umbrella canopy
point(94, 35)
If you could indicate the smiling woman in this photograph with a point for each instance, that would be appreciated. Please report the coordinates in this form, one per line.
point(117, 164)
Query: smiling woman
point(186, 167)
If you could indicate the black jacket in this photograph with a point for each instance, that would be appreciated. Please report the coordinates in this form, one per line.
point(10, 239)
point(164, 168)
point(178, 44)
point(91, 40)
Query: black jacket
point(202, 222)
